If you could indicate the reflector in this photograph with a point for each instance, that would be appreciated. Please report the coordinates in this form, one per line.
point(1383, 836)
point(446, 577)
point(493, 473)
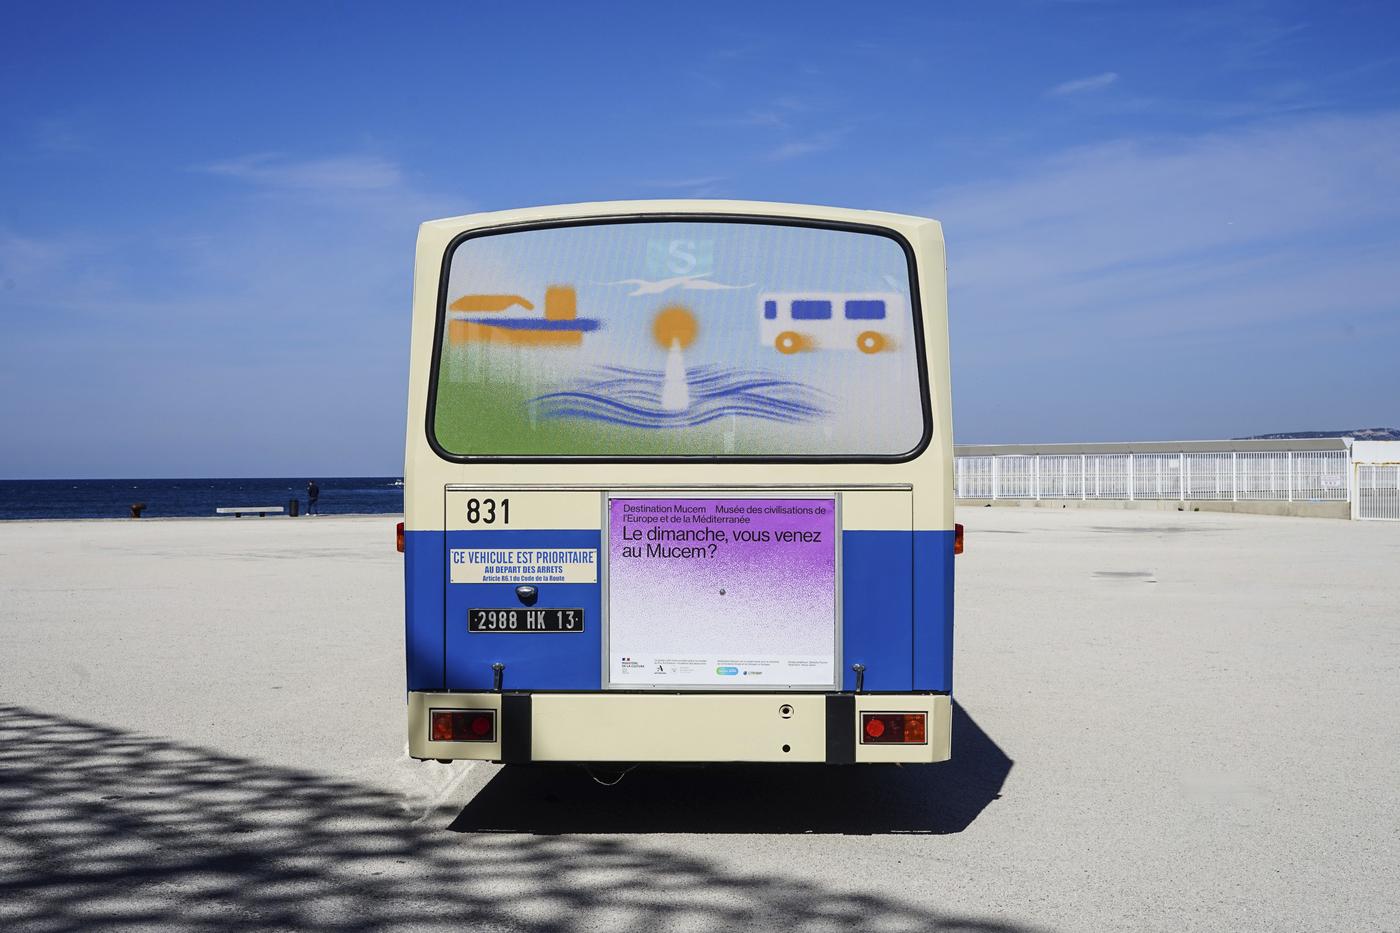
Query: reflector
point(893, 728)
point(442, 727)
point(462, 725)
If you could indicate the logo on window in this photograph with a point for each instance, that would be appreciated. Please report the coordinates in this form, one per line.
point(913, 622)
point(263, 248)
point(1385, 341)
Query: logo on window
point(680, 257)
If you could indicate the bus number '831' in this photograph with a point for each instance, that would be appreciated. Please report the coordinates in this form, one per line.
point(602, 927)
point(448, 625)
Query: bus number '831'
point(484, 512)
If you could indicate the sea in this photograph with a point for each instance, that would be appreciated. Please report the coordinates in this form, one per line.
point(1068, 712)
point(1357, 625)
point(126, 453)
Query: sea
point(172, 498)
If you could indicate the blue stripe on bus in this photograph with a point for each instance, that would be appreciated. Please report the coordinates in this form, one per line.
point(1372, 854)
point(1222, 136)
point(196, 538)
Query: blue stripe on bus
point(897, 609)
point(896, 621)
point(933, 610)
point(877, 597)
point(422, 573)
point(554, 661)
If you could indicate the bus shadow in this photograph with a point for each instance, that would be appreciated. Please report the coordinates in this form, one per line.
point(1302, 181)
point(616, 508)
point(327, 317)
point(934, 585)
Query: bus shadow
point(104, 829)
point(735, 798)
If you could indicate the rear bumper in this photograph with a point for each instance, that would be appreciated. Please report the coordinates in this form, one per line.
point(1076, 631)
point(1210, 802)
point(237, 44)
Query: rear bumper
point(687, 727)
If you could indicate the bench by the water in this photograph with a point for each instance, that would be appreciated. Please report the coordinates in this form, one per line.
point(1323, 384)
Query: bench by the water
point(237, 511)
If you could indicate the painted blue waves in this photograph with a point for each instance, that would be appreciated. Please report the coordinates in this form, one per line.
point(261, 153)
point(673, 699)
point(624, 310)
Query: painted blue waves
point(632, 397)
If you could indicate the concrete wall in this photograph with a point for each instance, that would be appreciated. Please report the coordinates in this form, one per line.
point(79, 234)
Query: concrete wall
point(1375, 452)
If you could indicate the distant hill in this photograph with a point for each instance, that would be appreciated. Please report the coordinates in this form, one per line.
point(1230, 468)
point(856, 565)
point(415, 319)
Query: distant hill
point(1361, 434)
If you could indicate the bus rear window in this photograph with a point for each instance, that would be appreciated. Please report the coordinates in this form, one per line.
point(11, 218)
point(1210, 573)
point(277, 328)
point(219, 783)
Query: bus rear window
point(679, 338)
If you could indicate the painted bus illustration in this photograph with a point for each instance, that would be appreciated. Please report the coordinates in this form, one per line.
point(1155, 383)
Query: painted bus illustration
point(795, 322)
point(665, 541)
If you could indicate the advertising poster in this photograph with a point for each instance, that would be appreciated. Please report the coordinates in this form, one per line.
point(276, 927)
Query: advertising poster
point(722, 592)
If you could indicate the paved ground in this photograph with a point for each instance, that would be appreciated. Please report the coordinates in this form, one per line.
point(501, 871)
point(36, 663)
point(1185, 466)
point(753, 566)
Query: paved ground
point(1166, 721)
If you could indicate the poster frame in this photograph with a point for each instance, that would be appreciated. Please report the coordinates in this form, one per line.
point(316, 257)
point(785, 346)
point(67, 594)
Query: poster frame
point(748, 492)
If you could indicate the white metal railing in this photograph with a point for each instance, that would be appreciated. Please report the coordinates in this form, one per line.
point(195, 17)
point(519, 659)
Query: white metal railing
point(1290, 475)
point(1378, 491)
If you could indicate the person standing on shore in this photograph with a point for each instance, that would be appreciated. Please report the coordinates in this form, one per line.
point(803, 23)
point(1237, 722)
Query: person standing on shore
point(313, 493)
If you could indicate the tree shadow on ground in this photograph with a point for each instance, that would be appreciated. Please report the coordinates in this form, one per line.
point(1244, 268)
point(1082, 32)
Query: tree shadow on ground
point(854, 799)
point(106, 829)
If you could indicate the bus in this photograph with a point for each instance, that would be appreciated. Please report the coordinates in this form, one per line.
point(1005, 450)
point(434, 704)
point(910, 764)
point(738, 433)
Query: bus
point(655, 508)
point(868, 322)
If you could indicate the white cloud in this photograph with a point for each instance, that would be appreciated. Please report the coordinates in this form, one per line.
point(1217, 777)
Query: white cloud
point(1127, 206)
point(701, 186)
point(23, 257)
point(808, 145)
point(271, 328)
point(1080, 85)
point(1260, 246)
point(333, 173)
point(700, 181)
point(796, 148)
point(60, 136)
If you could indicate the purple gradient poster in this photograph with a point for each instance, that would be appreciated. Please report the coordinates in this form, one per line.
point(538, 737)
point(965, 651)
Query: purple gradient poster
point(722, 592)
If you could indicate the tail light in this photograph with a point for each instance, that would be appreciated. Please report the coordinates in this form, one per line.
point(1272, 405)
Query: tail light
point(462, 725)
point(893, 728)
point(957, 538)
point(398, 536)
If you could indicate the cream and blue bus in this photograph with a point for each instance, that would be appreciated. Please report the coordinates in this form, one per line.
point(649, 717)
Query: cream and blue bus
point(678, 486)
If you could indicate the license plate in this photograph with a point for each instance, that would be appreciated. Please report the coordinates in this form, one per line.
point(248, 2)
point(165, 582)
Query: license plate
point(525, 620)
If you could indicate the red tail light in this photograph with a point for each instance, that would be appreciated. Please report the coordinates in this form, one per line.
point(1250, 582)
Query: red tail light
point(957, 538)
point(398, 537)
point(893, 728)
point(462, 725)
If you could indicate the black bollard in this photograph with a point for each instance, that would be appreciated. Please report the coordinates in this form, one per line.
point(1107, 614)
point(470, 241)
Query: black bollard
point(293, 507)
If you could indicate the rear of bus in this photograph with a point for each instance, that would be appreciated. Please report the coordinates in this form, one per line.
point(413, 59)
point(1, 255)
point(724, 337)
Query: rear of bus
point(678, 486)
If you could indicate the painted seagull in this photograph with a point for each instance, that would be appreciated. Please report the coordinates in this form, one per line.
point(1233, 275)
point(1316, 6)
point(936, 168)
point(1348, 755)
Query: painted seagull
point(691, 282)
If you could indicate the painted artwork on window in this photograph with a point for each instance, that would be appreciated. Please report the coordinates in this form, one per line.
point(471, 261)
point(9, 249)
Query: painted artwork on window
point(679, 338)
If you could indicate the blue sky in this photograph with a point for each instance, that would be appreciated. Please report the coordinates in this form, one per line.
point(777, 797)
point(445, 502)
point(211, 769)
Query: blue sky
point(1164, 220)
